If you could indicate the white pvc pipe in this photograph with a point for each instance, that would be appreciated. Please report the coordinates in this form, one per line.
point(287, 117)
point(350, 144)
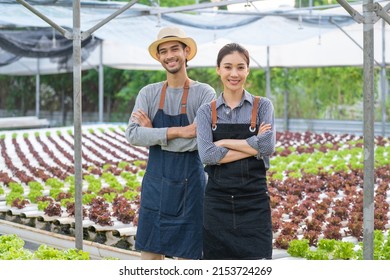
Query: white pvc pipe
point(63, 242)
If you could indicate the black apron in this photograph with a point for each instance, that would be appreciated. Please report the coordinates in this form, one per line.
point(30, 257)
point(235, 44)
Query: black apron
point(237, 214)
point(170, 218)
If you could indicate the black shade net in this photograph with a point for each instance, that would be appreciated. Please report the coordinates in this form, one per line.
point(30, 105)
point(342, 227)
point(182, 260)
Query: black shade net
point(41, 43)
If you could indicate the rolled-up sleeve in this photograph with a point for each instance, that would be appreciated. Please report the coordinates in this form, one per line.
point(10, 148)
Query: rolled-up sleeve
point(209, 153)
point(144, 136)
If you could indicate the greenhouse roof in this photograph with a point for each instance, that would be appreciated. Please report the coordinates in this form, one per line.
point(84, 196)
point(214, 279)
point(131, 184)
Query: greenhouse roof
point(284, 37)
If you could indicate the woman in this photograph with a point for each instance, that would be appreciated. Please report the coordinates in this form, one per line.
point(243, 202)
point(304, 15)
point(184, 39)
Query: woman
point(235, 149)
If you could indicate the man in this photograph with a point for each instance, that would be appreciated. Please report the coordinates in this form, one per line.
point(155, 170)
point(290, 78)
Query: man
point(163, 119)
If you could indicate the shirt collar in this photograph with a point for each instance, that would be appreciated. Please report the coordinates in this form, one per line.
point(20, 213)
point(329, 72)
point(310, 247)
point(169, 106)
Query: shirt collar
point(246, 97)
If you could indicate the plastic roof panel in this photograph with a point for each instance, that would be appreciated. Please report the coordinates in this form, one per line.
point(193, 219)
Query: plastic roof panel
point(292, 42)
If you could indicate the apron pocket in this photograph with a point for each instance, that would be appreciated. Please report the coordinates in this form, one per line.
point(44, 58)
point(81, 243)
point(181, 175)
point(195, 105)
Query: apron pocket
point(227, 173)
point(173, 196)
point(218, 213)
point(151, 192)
point(253, 212)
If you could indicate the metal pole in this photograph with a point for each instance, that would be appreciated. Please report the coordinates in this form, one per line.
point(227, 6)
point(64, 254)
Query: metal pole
point(383, 79)
point(37, 87)
point(268, 76)
point(350, 37)
point(368, 132)
point(63, 31)
point(286, 93)
point(101, 84)
point(77, 123)
point(88, 33)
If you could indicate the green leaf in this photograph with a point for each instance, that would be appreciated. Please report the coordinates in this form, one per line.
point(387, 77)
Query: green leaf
point(298, 248)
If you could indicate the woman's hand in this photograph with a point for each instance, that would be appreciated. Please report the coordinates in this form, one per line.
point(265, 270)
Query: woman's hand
point(264, 128)
point(231, 144)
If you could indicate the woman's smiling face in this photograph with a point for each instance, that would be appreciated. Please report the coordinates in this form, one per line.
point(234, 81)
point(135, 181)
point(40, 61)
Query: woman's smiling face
point(233, 71)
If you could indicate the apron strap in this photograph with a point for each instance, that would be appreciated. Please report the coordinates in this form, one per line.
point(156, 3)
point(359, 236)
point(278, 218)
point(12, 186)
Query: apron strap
point(254, 113)
point(183, 99)
point(213, 115)
point(252, 128)
point(162, 97)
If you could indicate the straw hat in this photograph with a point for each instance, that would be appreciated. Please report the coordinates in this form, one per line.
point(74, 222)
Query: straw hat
point(172, 33)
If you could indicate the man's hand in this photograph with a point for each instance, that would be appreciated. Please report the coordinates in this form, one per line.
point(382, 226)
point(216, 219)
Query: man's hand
point(189, 131)
point(141, 118)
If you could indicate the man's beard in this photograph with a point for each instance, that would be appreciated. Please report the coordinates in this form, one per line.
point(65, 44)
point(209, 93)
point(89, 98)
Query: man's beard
point(173, 70)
